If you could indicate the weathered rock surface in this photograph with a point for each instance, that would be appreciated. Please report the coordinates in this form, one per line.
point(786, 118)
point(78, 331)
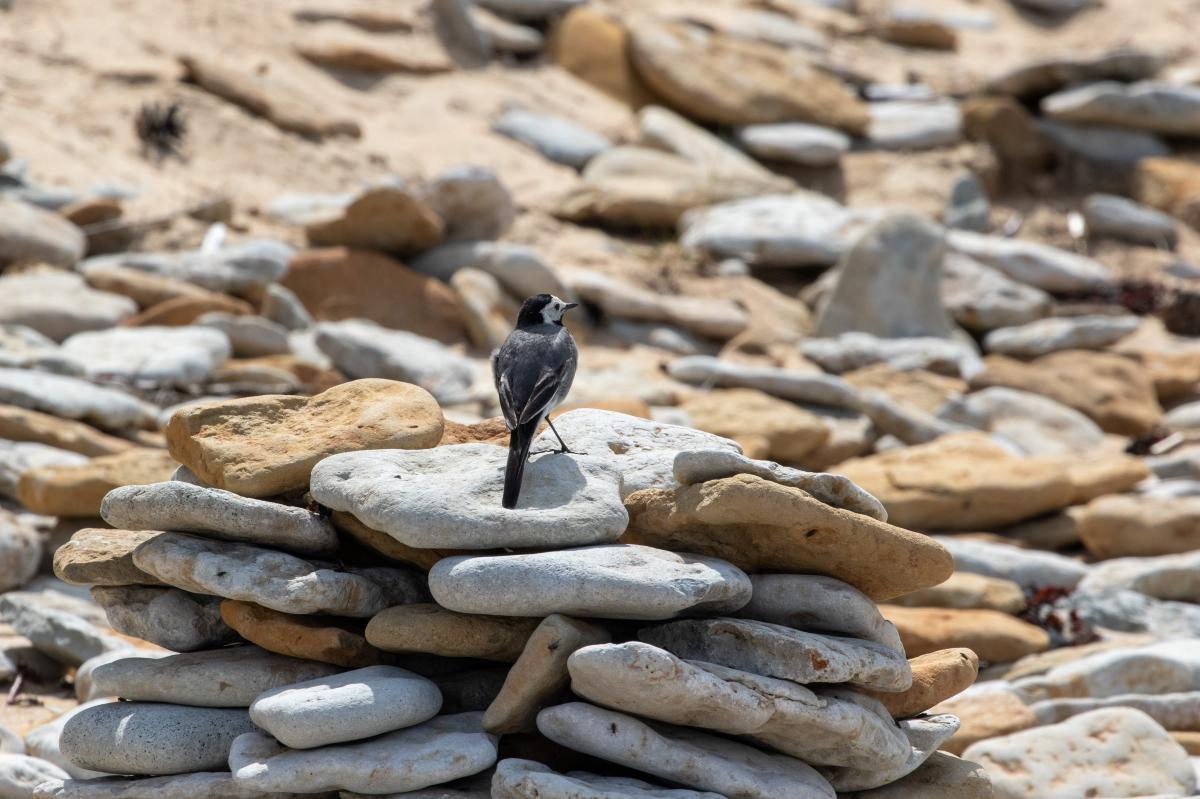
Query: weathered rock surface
point(228, 677)
point(776, 651)
point(306, 637)
point(1037, 425)
point(197, 785)
point(942, 776)
point(18, 457)
point(21, 424)
point(273, 579)
point(59, 304)
point(440, 750)
point(759, 525)
point(994, 636)
point(740, 414)
point(171, 618)
point(1158, 668)
point(357, 704)
point(620, 581)
point(362, 349)
point(518, 779)
point(818, 604)
point(961, 481)
point(1116, 750)
point(152, 739)
point(152, 354)
point(77, 491)
point(260, 446)
point(966, 590)
point(834, 727)
point(21, 773)
point(31, 235)
point(1030, 569)
point(450, 496)
point(434, 630)
point(539, 673)
point(72, 398)
point(694, 759)
point(1089, 332)
point(63, 636)
point(937, 676)
point(1125, 525)
point(925, 736)
point(211, 512)
point(99, 556)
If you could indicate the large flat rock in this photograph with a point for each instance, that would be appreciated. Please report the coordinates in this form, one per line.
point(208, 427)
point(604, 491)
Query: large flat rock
point(618, 581)
point(450, 497)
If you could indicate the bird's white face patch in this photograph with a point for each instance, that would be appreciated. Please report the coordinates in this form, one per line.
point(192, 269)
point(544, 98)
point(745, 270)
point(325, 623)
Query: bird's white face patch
point(554, 310)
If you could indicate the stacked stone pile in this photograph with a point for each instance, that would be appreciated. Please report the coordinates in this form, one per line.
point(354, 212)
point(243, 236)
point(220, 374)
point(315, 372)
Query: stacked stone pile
point(404, 631)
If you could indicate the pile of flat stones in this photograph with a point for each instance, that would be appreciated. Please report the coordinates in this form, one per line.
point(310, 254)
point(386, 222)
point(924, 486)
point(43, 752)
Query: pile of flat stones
point(660, 617)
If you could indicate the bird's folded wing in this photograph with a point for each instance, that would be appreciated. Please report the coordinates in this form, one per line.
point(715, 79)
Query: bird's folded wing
point(504, 389)
point(542, 394)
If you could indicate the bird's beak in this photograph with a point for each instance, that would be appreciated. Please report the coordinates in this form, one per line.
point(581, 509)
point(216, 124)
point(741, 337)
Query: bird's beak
point(569, 306)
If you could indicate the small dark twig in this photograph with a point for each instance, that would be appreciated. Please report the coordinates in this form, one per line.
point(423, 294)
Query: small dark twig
point(18, 682)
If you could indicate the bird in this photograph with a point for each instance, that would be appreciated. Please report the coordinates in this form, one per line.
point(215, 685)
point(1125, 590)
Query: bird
point(533, 370)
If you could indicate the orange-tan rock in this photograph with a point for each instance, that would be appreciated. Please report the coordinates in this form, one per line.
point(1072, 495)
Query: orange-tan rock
point(76, 491)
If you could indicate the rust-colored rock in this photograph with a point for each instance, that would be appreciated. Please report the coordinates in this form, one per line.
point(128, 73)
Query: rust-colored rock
point(310, 637)
point(187, 309)
point(76, 491)
point(100, 556)
point(22, 424)
point(762, 526)
point(994, 636)
point(389, 547)
point(937, 676)
point(594, 47)
point(266, 445)
point(343, 283)
point(434, 630)
point(984, 715)
point(790, 432)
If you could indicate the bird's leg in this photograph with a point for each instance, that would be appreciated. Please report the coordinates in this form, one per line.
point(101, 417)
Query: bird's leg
point(565, 449)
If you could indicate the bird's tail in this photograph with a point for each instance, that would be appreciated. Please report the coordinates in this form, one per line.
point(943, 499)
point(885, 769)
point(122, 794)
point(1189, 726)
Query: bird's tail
point(519, 442)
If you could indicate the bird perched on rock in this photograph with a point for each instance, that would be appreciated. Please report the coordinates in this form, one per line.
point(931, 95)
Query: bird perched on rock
point(533, 370)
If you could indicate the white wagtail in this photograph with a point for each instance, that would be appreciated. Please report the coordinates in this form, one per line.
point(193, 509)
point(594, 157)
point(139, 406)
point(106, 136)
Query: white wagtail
point(533, 370)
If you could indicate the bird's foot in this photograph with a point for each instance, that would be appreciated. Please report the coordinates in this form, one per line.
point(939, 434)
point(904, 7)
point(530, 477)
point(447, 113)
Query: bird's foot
point(565, 451)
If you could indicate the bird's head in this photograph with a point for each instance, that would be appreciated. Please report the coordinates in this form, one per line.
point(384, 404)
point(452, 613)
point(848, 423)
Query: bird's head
point(543, 309)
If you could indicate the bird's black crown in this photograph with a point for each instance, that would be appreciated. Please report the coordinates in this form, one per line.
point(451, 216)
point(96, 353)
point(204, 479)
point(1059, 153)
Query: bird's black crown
point(531, 310)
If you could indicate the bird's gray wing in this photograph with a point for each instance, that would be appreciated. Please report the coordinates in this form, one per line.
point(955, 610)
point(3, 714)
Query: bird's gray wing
point(544, 390)
point(504, 389)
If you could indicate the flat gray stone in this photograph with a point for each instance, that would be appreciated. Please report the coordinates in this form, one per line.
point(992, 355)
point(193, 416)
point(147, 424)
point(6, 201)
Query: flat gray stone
point(1028, 568)
point(240, 269)
point(795, 143)
point(1136, 758)
point(1149, 105)
point(790, 384)
point(171, 618)
point(214, 513)
point(273, 579)
point(10, 742)
point(801, 229)
point(889, 283)
point(30, 235)
point(1101, 150)
point(1174, 577)
point(557, 139)
point(152, 739)
point(1044, 75)
point(925, 735)
point(249, 336)
point(336, 708)
point(450, 496)
point(1031, 262)
point(903, 422)
point(1158, 668)
point(66, 637)
point(361, 349)
point(967, 207)
point(21, 551)
point(18, 457)
point(198, 785)
point(519, 269)
point(530, 10)
point(281, 306)
point(1129, 611)
point(227, 677)
point(20, 774)
point(619, 581)
point(43, 742)
point(1089, 332)
point(507, 37)
point(773, 650)
point(908, 125)
point(816, 603)
point(23, 347)
point(440, 750)
point(711, 317)
point(699, 466)
point(838, 727)
point(681, 755)
point(171, 355)
point(1184, 417)
point(472, 202)
point(983, 298)
point(1110, 216)
point(1177, 711)
point(521, 779)
point(72, 398)
point(850, 351)
point(1037, 425)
